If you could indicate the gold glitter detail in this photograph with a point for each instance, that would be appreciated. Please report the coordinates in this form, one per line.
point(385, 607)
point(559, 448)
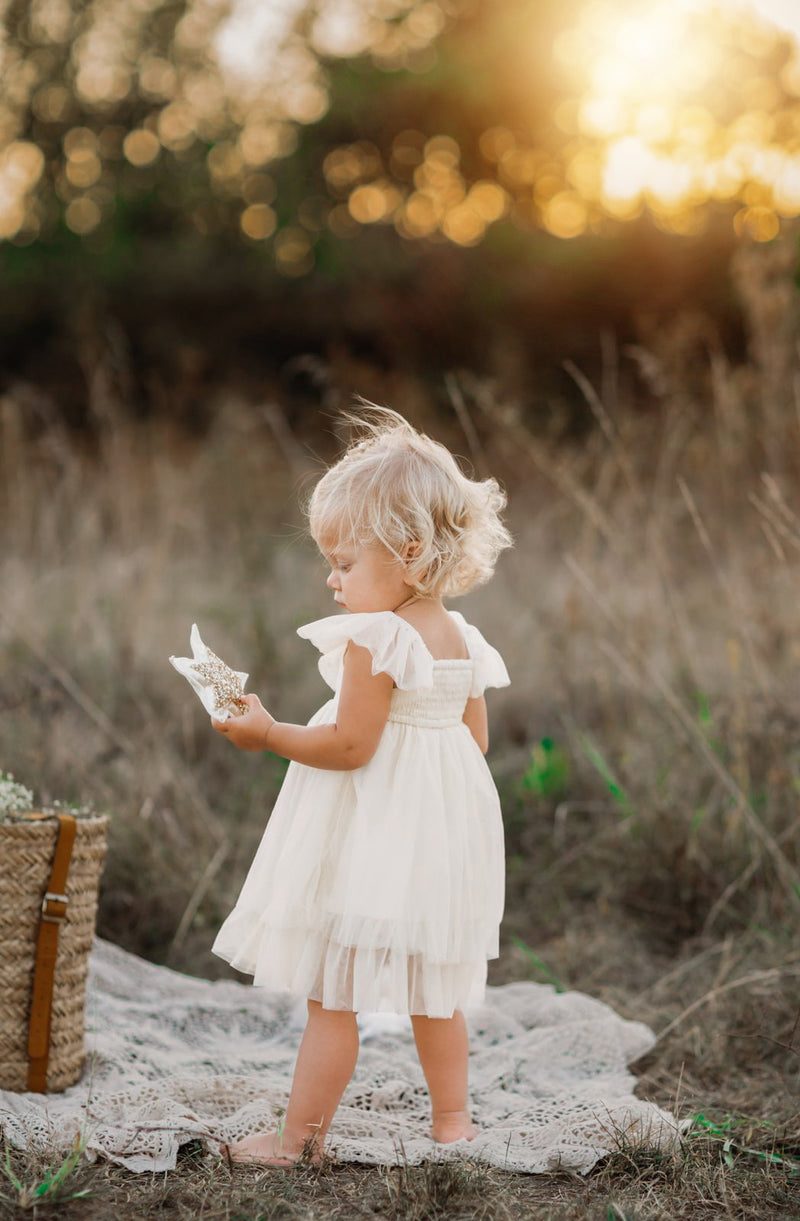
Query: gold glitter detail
point(227, 686)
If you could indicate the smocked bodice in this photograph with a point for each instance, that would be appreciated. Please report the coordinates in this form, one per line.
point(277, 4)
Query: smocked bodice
point(439, 706)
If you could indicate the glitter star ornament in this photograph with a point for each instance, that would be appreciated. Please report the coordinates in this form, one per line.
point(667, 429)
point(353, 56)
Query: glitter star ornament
point(221, 689)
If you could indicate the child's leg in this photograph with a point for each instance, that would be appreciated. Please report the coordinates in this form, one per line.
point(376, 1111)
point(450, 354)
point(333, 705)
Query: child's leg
point(325, 1063)
point(443, 1052)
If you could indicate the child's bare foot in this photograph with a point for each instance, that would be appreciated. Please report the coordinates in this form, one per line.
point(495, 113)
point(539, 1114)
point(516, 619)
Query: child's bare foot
point(452, 1125)
point(266, 1149)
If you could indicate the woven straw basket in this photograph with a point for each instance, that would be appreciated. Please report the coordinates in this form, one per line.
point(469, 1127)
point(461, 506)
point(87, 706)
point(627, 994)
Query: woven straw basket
point(27, 851)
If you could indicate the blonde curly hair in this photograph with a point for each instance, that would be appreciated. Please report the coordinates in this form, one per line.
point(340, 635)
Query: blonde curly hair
point(397, 487)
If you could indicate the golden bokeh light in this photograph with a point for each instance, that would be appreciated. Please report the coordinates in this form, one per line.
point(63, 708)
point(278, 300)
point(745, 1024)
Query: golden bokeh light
point(309, 103)
point(367, 204)
point(602, 116)
point(585, 173)
point(141, 147)
point(547, 185)
point(402, 34)
point(78, 140)
point(425, 22)
point(330, 35)
point(376, 201)
point(21, 165)
point(489, 200)
point(519, 166)
point(790, 75)
point(82, 215)
point(495, 142)
point(442, 151)
point(293, 253)
point(443, 183)
point(262, 142)
point(346, 165)
point(176, 129)
point(565, 215)
point(51, 21)
point(407, 151)
point(258, 221)
point(420, 216)
point(225, 160)
point(627, 163)
point(787, 188)
point(695, 126)
point(759, 223)
point(52, 103)
point(463, 225)
point(99, 82)
point(158, 77)
point(12, 216)
point(205, 93)
point(83, 168)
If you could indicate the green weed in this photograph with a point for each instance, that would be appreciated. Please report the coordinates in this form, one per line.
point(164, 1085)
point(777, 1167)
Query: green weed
point(53, 1185)
point(541, 966)
point(547, 774)
point(594, 755)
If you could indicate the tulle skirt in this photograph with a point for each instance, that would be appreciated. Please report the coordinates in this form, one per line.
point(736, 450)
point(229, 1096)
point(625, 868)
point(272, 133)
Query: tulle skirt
point(379, 889)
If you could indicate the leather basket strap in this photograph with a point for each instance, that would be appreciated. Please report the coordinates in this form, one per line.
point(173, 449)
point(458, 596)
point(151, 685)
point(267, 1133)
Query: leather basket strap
point(54, 913)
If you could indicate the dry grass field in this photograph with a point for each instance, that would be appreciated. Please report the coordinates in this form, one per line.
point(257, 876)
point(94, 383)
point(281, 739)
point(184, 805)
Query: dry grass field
point(647, 752)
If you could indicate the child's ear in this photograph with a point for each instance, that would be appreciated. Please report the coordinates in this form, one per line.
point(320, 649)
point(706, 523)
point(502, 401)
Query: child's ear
point(411, 551)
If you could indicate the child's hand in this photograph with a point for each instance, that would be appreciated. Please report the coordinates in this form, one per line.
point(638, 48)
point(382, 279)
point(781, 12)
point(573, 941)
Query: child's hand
point(248, 731)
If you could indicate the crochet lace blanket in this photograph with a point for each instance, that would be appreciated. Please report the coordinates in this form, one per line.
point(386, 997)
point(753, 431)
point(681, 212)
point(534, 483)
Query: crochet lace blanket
point(173, 1059)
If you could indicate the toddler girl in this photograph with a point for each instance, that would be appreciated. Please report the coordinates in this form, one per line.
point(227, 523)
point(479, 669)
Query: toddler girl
point(379, 882)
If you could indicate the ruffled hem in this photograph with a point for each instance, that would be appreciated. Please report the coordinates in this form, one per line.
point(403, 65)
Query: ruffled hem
point(250, 931)
point(373, 979)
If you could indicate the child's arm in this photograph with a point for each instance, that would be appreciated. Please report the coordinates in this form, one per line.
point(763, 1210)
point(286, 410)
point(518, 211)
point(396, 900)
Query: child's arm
point(349, 743)
point(477, 722)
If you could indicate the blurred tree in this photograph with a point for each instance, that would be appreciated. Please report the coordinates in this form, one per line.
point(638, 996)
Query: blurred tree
point(296, 123)
point(417, 183)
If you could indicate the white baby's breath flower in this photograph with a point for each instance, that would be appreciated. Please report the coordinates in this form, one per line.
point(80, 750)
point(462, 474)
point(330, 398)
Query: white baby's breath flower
point(16, 802)
point(78, 809)
point(15, 798)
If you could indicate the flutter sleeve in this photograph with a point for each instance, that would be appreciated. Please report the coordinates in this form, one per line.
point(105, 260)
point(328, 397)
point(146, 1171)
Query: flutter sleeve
point(489, 669)
point(396, 647)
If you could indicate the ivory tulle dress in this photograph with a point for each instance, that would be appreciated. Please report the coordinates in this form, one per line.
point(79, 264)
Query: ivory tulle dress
point(381, 889)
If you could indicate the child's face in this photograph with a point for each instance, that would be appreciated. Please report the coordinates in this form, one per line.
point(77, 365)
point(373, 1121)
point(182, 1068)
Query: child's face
point(366, 578)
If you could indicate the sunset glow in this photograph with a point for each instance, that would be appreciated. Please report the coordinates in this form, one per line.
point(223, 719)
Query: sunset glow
point(672, 109)
point(656, 80)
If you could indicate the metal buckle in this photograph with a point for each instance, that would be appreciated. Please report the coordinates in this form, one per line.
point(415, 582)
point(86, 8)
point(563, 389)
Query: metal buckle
point(49, 897)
